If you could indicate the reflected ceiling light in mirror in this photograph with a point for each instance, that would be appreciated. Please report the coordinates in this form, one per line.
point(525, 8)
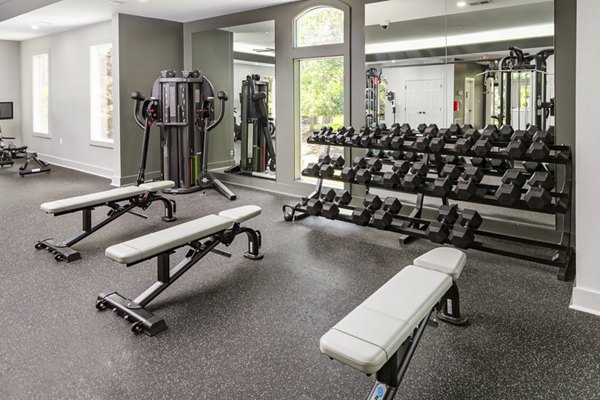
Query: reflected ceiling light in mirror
point(464, 39)
point(461, 4)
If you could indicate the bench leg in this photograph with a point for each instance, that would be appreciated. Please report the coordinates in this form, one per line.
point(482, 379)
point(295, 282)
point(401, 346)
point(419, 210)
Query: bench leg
point(448, 309)
point(170, 207)
point(254, 243)
point(62, 250)
point(133, 310)
point(390, 375)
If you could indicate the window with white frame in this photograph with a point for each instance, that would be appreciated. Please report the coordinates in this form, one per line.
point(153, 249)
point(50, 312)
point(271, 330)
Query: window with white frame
point(101, 99)
point(41, 92)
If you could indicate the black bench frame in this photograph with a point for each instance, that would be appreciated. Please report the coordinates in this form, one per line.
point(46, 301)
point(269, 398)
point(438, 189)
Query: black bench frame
point(133, 310)
point(389, 377)
point(62, 250)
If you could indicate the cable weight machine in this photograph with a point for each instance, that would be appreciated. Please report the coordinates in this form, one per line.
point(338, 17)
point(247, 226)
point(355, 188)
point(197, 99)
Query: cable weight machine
point(185, 115)
point(257, 152)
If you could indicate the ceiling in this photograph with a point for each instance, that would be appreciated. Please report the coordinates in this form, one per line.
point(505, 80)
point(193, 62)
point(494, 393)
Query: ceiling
point(406, 10)
point(254, 38)
point(68, 14)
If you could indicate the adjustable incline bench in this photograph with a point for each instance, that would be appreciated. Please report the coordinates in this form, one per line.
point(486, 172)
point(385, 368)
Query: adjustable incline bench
point(381, 335)
point(216, 229)
point(135, 196)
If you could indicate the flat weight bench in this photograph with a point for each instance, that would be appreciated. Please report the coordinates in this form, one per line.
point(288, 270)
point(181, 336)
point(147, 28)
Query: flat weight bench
point(216, 229)
point(134, 196)
point(381, 335)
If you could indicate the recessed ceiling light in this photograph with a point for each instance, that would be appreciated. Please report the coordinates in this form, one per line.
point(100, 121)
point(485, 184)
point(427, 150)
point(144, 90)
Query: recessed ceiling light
point(461, 4)
point(34, 26)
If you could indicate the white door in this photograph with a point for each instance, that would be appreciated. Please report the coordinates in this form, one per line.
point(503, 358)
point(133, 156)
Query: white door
point(469, 105)
point(424, 101)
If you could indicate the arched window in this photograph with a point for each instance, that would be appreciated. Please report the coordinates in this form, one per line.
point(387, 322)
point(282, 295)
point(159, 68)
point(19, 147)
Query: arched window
point(318, 26)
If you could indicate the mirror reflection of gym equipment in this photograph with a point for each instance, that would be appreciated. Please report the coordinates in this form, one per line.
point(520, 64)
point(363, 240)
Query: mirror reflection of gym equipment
point(517, 89)
point(255, 131)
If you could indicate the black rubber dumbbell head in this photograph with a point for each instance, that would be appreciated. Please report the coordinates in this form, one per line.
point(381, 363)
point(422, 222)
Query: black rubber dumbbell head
point(537, 198)
point(390, 179)
point(515, 148)
point(461, 237)
point(326, 171)
point(422, 143)
point(474, 173)
point(507, 194)
point(420, 168)
point(401, 167)
point(330, 210)
point(451, 171)
point(363, 176)
point(463, 145)
point(437, 232)
point(411, 182)
point(447, 214)
point(442, 186)
point(538, 151)
point(372, 202)
point(521, 135)
point(437, 144)
point(314, 206)
point(392, 205)
point(482, 147)
point(465, 189)
point(506, 132)
point(470, 219)
point(382, 219)
point(542, 179)
point(360, 216)
point(514, 176)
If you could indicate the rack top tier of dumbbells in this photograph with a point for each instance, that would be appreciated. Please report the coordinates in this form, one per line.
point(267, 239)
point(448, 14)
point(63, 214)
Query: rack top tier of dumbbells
point(492, 166)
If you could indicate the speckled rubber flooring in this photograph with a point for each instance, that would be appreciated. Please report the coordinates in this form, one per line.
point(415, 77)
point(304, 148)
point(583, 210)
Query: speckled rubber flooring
point(242, 329)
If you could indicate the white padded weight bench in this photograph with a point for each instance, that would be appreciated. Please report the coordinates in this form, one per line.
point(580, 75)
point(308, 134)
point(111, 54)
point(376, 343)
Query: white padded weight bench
point(213, 229)
point(131, 196)
point(380, 336)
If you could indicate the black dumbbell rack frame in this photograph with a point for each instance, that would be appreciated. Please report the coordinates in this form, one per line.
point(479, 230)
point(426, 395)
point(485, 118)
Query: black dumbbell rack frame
point(413, 226)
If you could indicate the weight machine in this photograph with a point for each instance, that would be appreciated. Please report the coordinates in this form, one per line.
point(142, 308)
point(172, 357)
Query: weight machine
point(372, 80)
point(505, 81)
point(185, 115)
point(256, 130)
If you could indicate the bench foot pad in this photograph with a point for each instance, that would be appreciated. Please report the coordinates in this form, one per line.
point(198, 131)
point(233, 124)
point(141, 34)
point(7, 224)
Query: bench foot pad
point(141, 319)
point(60, 251)
point(458, 321)
point(251, 256)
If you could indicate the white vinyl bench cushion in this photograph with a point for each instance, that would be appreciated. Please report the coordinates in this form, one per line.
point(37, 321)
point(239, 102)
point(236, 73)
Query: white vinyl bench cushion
point(241, 214)
point(443, 259)
point(156, 186)
point(370, 334)
point(158, 242)
point(100, 198)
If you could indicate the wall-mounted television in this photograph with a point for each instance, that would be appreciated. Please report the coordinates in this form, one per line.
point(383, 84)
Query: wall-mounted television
point(6, 110)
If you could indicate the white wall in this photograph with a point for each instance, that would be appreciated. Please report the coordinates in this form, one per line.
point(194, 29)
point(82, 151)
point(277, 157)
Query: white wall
point(396, 80)
point(10, 86)
point(240, 71)
point(586, 294)
point(69, 99)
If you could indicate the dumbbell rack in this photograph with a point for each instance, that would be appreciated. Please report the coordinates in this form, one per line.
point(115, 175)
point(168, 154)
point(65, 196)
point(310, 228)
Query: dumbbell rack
point(560, 255)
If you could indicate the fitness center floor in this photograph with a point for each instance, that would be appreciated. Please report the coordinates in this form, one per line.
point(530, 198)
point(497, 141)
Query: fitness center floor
point(242, 329)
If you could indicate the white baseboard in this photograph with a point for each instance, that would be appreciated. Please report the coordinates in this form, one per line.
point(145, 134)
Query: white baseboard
point(119, 181)
point(77, 166)
point(585, 300)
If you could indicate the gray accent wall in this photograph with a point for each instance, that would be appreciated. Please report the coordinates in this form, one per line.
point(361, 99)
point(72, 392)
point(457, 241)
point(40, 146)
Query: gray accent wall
point(469, 70)
point(69, 142)
point(10, 87)
point(212, 54)
point(144, 47)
